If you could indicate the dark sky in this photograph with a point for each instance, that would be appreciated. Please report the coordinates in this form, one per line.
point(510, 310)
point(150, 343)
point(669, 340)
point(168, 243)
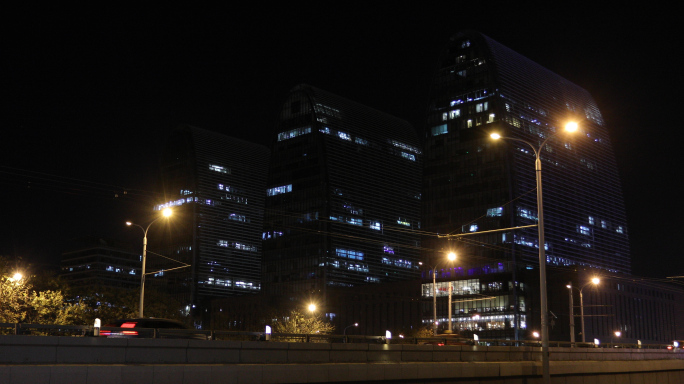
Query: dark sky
point(89, 94)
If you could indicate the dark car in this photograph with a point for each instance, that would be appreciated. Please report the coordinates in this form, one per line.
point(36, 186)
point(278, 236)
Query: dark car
point(151, 328)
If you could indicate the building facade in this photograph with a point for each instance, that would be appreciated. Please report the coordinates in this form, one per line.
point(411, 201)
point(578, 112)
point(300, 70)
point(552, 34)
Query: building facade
point(475, 188)
point(484, 297)
point(215, 185)
point(343, 198)
point(94, 262)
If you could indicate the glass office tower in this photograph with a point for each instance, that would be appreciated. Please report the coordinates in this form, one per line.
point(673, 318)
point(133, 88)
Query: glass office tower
point(343, 197)
point(474, 185)
point(216, 186)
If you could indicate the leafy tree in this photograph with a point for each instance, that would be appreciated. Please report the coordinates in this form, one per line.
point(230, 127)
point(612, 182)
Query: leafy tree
point(14, 299)
point(49, 307)
point(424, 331)
point(21, 303)
point(295, 322)
point(111, 303)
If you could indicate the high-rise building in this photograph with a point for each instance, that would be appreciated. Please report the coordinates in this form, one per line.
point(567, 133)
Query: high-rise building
point(343, 197)
point(216, 186)
point(474, 185)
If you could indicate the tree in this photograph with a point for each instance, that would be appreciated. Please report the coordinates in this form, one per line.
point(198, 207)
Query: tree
point(49, 307)
point(295, 322)
point(21, 303)
point(14, 299)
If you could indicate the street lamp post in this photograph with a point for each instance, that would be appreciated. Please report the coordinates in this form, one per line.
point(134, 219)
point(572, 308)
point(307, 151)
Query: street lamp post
point(165, 213)
point(451, 289)
point(572, 316)
point(594, 281)
point(450, 257)
point(570, 127)
point(344, 333)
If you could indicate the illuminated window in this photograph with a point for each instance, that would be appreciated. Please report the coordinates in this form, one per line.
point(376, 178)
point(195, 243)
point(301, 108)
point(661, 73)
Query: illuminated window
point(439, 130)
point(397, 262)
point(495, 212)
point(406, 147)
point(271, 235)
point(583, 230)
point(375, 225)
point(591, 220)
point(236, 245)
point(445, 116)
point(218, 168)
point(491, 118)
point(293, 133)
point(344, 135)
point(408, 156)
point(360, 141)
point(455, 113)
point(349, 254)
point(240, 218)
point(279, 190)
point(526, 213)
point(469, 123)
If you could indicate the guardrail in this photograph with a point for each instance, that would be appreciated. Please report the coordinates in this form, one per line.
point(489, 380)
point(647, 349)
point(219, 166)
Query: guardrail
point(88, 330)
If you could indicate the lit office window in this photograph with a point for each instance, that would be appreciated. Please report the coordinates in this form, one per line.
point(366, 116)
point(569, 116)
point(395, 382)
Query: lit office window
point(279, 190)
point(439, 130)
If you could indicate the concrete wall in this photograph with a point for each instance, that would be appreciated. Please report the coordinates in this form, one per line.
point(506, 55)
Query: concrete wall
point(45, 359)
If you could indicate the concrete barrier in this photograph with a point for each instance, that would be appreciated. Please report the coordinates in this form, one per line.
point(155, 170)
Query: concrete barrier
point(74, 360)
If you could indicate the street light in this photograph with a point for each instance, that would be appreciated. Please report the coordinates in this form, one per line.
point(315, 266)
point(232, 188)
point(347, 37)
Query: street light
point(165, 213)
point(617, 334)
point(312, 308)
point(16, 277)
point(569, 127)
point(594, 281)
point(344, 333)
point(450, 257)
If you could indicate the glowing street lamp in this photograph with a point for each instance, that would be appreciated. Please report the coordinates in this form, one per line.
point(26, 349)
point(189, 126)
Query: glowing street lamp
point(450, 257)
point(570, 127)
point(594, 281)
point(344, 333)
point(312, 308)
point(16, 277)
point(165, 213)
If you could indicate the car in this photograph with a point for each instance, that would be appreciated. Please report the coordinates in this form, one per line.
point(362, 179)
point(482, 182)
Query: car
point(151, 328)
point(677, 344)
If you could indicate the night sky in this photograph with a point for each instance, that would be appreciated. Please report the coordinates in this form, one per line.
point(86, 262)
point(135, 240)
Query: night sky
point(89, 94)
